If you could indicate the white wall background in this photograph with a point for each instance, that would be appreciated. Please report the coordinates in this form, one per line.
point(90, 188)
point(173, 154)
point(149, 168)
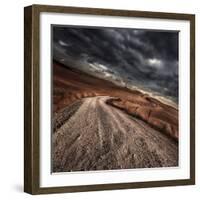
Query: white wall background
point(11, 99)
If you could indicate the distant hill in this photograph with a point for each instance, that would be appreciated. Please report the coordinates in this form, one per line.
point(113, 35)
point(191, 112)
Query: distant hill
point(70, 84)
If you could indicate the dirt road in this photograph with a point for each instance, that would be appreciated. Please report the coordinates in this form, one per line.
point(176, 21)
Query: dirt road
point(100, 137)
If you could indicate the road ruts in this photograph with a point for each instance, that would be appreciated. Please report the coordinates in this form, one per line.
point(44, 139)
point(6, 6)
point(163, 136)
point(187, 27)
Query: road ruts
point(101, 137)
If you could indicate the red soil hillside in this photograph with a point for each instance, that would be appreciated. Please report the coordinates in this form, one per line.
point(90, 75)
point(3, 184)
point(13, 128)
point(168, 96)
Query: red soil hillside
point(70, 85)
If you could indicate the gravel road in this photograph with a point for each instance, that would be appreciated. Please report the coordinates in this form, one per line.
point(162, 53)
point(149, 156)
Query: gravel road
point(100, 137)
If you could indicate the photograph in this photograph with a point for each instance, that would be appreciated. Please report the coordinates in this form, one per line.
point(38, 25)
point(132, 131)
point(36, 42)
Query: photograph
point(114, 98)
point(109, 99)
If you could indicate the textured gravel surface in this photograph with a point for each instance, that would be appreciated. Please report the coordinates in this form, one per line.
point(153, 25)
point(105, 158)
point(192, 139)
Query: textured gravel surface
point(100, 137)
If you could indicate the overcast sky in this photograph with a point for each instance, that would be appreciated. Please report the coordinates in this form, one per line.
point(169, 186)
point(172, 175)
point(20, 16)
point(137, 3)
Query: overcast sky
point(144, 58)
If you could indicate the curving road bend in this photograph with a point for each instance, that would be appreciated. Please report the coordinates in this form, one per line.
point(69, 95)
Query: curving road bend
point(100, 137)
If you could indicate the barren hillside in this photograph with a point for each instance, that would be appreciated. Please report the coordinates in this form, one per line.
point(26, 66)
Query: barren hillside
point(70, 85)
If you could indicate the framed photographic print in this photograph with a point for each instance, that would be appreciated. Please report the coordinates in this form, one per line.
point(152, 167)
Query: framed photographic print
point(109, 99)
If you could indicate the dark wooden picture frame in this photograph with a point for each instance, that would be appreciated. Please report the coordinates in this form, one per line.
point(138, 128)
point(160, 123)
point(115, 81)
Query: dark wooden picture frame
point(32, 104)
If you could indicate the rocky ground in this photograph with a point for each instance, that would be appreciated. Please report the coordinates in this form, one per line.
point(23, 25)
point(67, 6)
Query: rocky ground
point(100, 137)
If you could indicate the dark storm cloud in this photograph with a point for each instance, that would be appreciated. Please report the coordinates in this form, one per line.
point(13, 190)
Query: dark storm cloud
point(145, 58)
